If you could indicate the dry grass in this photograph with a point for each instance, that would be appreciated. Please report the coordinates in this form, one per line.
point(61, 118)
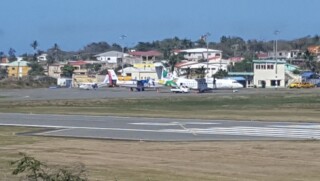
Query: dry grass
point(188, 161)
point(107, 160)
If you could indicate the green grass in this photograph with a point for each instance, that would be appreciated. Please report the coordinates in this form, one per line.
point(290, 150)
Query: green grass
point(283, 107)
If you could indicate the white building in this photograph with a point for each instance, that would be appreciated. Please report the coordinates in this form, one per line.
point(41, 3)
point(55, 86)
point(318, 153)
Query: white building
point(284, 54)
point(42, 57)
point(210, 68)
point(112, 57)
point(269, 73)
point(139, 73)
point(197, 54)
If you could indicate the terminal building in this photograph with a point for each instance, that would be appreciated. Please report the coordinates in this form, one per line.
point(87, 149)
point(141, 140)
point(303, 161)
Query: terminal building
point(269, 73)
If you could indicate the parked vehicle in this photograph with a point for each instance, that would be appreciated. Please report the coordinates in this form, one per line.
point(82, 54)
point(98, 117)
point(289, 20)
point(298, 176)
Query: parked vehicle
point(180, 89)
point(307, 85)
point(295, 85)
point(301, 85)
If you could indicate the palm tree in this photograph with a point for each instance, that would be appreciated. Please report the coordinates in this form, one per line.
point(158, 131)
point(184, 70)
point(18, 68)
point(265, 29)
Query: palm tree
point(56, 51)
point(12, 54)
point(34, 45)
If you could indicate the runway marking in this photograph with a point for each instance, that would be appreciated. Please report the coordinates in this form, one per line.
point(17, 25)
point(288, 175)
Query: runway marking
point(189, 130)
point(304, 126)
point(54, 131)
point(256, 131)
point(173, 123)
point(278, 132)
point(155, 124)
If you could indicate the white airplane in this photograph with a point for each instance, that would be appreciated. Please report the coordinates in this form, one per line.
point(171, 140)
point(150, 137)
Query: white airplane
point(140, 85)
point(209, 83)
point(197, 84)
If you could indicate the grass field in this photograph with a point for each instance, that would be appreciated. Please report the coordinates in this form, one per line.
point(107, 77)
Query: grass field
point(135, 161)
point(278, 107)
point(188, 161)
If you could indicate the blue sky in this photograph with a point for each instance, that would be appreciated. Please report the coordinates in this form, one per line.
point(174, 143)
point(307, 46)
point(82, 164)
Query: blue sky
point(72, 24)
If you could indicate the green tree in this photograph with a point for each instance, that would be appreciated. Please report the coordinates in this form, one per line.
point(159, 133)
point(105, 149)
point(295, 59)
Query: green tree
point(38, 171)
point(220, 74)
point(310, 63)
point(12, 55)
point(34, 168)
point(56, 51)
point(173, 60)
point(201, 72)
point(34, 45)
point(243, 66)
point(36, 69)
point(3, 73)
point(67, 70)
point(116, 47)
point(93, 68)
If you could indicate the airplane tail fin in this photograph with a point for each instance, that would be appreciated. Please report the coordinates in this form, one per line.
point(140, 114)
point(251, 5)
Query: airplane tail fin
point(113, 78)
point(163, 74)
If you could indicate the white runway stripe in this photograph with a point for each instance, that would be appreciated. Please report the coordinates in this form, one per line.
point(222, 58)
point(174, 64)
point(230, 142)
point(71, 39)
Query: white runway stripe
point(255, 131)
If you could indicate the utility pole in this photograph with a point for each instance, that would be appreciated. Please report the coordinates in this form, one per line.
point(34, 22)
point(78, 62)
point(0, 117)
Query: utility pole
point(205, 37)
point(276, 58)
point(122, 57)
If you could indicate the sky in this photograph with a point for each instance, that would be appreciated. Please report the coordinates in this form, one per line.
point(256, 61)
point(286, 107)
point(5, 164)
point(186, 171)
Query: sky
point(72, 24)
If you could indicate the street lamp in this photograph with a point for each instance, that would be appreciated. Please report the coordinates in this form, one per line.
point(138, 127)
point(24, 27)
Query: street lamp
point(122, 38)
point(205, 38)
point(276, 58)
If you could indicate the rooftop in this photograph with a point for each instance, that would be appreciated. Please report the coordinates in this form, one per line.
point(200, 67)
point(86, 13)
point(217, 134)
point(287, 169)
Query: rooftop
point(200, 50)
point(270, 61)
point(147, 53)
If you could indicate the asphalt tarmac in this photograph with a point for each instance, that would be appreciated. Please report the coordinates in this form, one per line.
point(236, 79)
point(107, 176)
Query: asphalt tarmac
point(159, 129)
point(117, 92)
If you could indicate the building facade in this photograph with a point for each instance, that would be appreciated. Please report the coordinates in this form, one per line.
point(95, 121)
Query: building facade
point(197, 54)
point(18, 69)
point(269, 73)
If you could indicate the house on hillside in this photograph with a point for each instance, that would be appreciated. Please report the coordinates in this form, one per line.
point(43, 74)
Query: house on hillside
point(234, 60)
point(210, 68)
point(146, 57)
point(42, 57)
point(196, 58)
point(55, 70)
point(111, 57)
point(139, 73)
point(18, 69)
point(197, 54)
point(314, 49)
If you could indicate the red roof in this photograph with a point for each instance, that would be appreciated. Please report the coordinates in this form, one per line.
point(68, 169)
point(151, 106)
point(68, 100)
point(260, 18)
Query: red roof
point(80, 62)
point(262, 55)
point(236, 59)
point(147, 53)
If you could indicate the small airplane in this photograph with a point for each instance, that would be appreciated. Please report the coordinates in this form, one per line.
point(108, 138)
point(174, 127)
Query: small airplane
point(109, 80)
point(141, 85)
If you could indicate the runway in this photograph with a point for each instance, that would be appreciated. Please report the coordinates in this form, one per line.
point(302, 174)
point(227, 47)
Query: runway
point(159, 129)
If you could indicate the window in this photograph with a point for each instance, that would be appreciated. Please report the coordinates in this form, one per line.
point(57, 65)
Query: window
point(263, 66)
point(13, 68)
point(109, 58)
point(257, 66)
point(270, 66)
